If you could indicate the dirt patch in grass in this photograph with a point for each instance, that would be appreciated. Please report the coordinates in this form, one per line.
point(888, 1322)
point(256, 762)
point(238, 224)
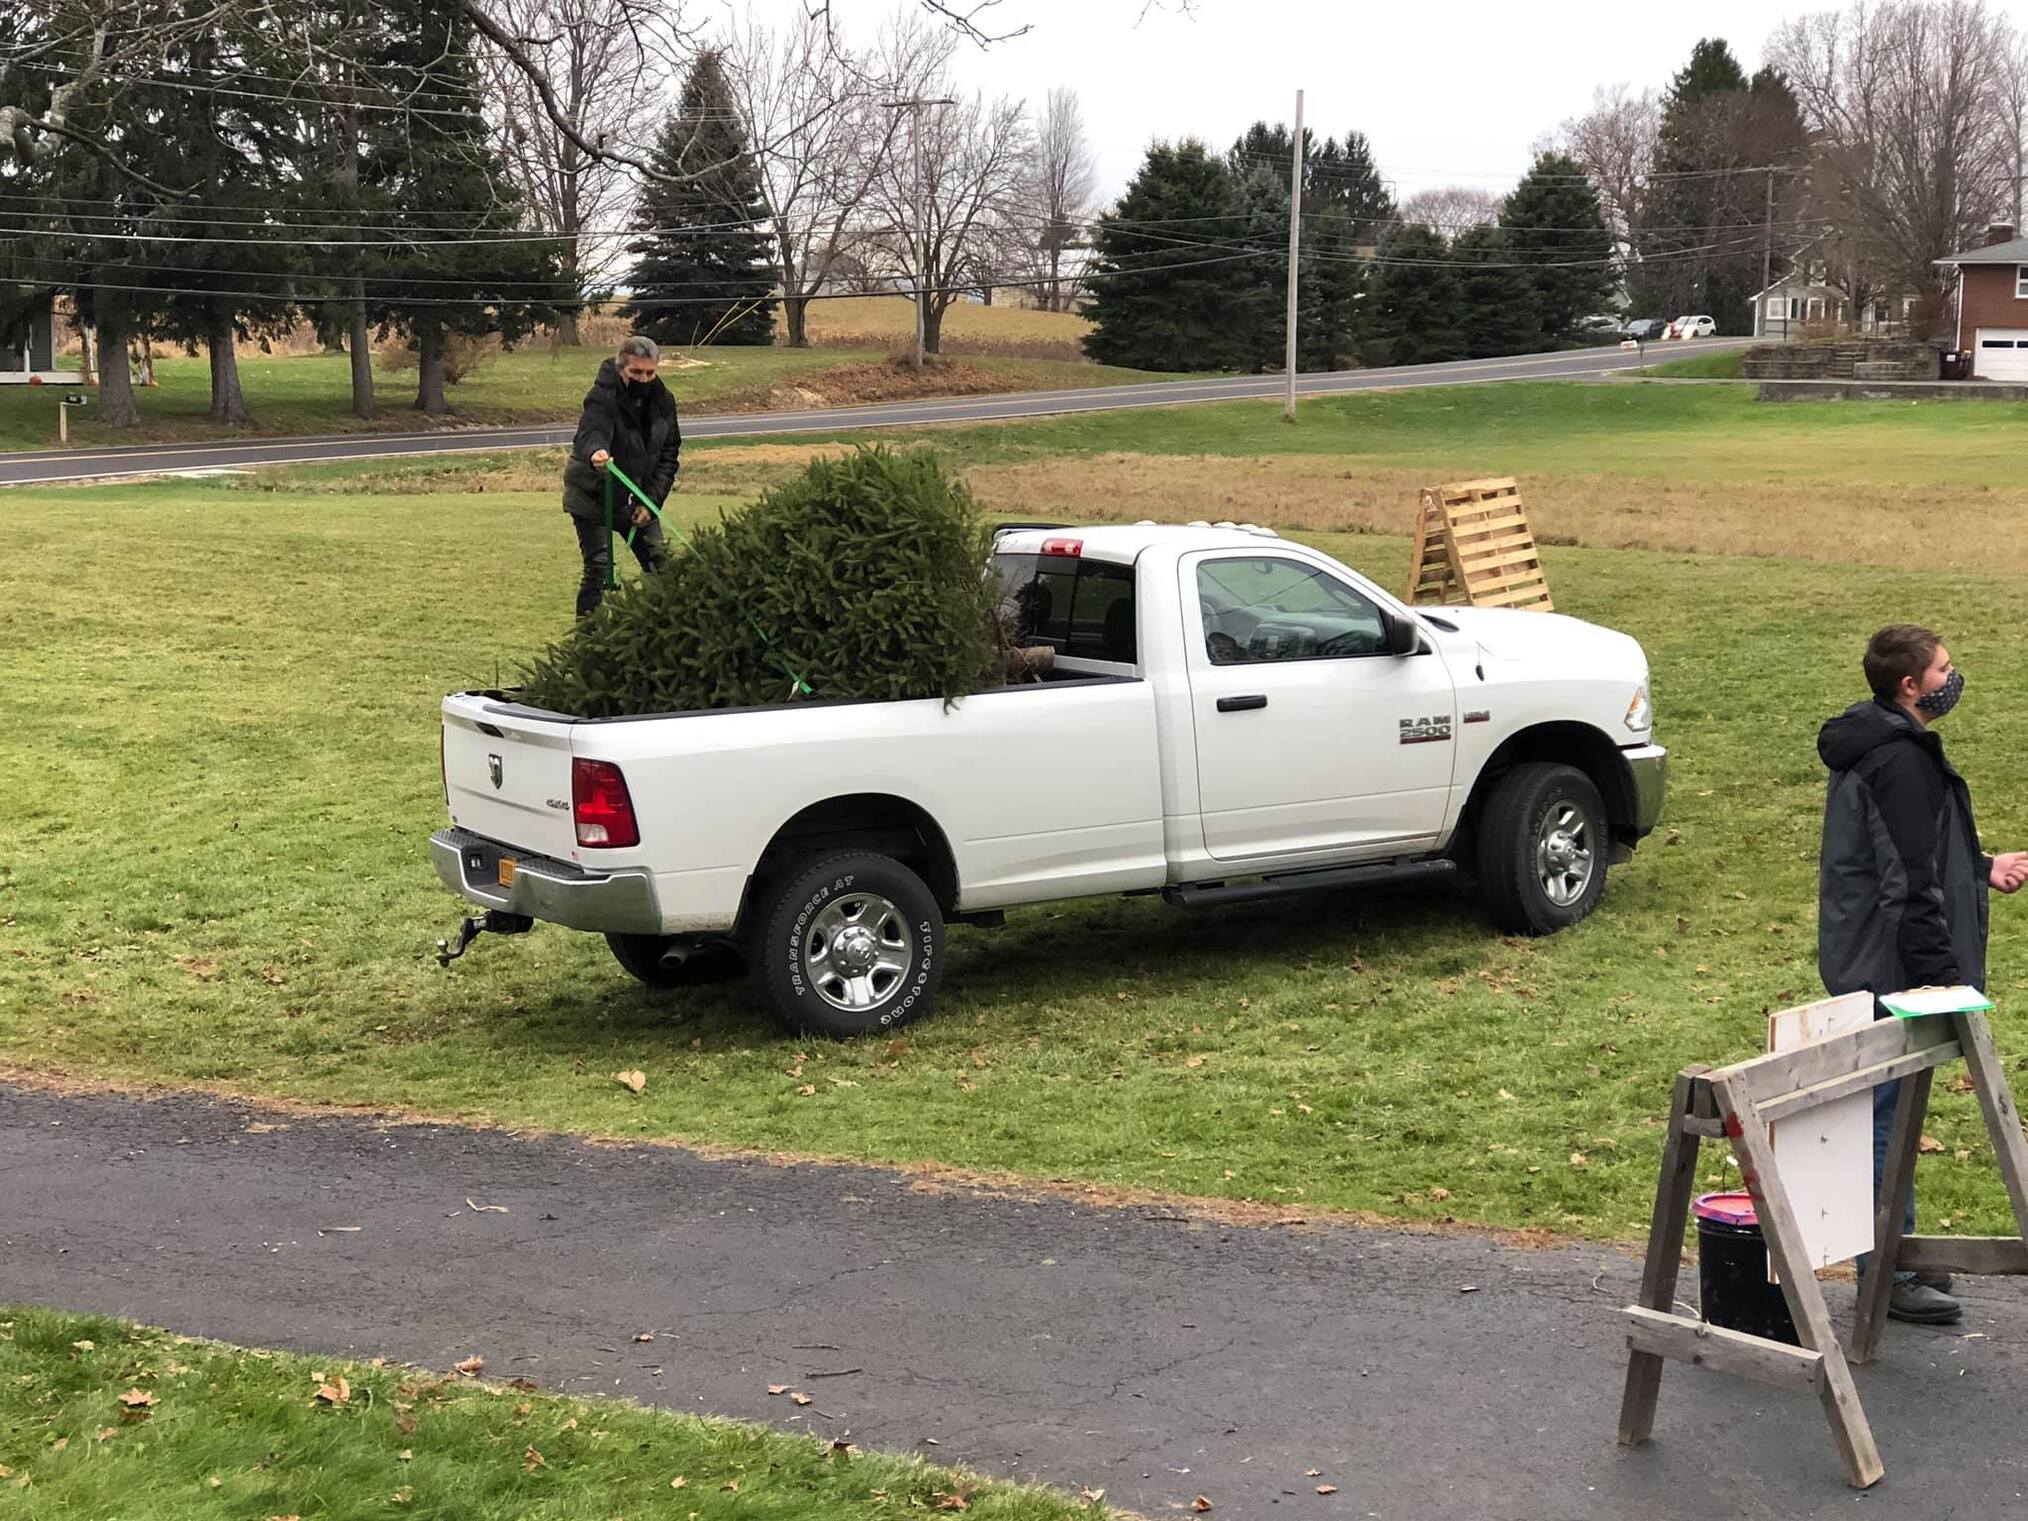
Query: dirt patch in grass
point(1959, 528)
point(885, 380)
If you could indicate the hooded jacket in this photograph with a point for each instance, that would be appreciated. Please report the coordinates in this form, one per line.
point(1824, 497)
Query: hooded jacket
point(642, 437)
point(1902, 883)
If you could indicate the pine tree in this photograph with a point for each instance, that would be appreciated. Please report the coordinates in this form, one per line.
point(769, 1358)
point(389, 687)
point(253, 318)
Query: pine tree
point(1497, 299)
point(1345, 178)
point(1260, 314)
point(1418, 299)
point(1554, 225)
point(1157, 303)
point(1329, 315)
point(455, 258)
point(704, 269)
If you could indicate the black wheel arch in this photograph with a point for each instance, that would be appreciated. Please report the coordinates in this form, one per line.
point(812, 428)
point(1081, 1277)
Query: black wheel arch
point(1567, 743)
point(874, 821)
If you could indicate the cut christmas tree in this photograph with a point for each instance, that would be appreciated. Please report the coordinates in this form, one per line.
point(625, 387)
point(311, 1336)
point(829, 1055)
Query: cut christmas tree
point(862, 578)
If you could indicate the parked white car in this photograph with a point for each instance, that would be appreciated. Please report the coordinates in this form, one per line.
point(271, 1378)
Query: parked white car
point(1230, 716)
point(1693, 327)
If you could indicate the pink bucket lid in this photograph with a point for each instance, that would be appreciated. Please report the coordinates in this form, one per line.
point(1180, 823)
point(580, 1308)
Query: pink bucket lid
point(1726, 1209)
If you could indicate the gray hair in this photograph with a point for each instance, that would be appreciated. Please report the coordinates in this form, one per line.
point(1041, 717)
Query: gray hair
point(638, 347)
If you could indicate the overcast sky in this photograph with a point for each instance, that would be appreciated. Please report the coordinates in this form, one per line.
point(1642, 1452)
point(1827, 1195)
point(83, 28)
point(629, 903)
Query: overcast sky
point(1449, 91)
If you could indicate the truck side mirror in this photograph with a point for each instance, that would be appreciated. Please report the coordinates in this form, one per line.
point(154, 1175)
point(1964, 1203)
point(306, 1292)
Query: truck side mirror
point(1403, 638)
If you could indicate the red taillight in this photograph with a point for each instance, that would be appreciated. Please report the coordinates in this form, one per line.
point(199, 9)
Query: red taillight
point(1070, 547)
point(599, 803)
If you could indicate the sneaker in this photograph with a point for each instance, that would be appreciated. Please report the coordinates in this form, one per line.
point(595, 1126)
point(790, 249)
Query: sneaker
point(1919, 1304)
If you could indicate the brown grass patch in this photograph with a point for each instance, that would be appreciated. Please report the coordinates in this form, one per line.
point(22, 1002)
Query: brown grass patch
point(1879, 525)
point(849, 384)
point(887, 321)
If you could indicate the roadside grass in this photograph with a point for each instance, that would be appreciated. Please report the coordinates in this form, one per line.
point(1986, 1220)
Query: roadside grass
point(310, 393)
point(220, 709)
point(1729, 364)
point(102, 1418)
point(969, 328)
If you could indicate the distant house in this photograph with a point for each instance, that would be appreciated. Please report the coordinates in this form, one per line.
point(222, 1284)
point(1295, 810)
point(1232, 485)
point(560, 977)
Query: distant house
point(1993, 304)
point(1803, 296)
point(29, 353)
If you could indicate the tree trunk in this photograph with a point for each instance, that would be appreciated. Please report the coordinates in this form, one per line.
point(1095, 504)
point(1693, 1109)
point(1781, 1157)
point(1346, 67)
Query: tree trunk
point(228, 401)
point(429, 390)
point(116, 381)
point(567, 335)
point(796, 309)
point(361, 346)
point(330, 332)
point(932, 327)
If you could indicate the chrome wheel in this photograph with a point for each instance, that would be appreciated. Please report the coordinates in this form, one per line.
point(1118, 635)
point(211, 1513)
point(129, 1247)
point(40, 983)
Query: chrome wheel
point(1563, 854)
point(857, 951)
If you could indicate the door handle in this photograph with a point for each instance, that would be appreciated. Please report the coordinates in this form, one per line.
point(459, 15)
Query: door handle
point(1241, 704)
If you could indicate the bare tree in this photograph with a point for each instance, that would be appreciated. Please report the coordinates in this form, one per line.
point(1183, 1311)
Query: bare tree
point(1615, 141)
point(1061, 181)
point(1452, 209)
point(940, 192)
point(1916, 139)
point(811, 109)
point(609, 80)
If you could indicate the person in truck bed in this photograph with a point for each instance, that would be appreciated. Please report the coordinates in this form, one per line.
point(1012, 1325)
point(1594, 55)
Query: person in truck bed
point(629, 420)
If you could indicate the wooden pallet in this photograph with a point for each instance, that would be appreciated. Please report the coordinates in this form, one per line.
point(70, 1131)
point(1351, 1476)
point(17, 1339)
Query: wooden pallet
point(1473, 545)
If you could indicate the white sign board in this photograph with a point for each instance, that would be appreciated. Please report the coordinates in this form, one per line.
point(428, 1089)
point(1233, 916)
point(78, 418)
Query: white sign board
point(1825, 1155)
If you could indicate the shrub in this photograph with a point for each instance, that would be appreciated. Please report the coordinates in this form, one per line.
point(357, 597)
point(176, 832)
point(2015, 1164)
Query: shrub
point(866, 572)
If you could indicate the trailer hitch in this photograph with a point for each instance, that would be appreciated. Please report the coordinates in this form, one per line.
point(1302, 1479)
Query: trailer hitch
point(471, 928)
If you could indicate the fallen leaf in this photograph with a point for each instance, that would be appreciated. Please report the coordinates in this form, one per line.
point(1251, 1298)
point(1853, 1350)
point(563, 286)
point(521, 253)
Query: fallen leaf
point(485, 1209)
point(85, 1346)
point(272, 976)
point(336, 1392)
point(897, 1048)
point(525, 1385)
point(799, 1399)
point(106, 1434)
point(778, 1388)
point(839, 1452)
point(469, 1367)
point(138, 1399)
point(633, 1080)
point(213, 1482)
point(1503, 1092)
point(1327, 1489)
point(808, 1090)
point(1929, 1145)
point(405, 1424)
point(59, 1444)
point(730, 1487)
point(1439, 1194)
point(679, 1481)
point(1313, 1473)
point(403, 1495)
point(523, 1410)
point(952, 1502)
point(644, 1336)
point(1195, 1061)
point(1577, 1159)
point(1200, 1505)
point(569, 1425)
point(532, 1460)
point(406, 1455)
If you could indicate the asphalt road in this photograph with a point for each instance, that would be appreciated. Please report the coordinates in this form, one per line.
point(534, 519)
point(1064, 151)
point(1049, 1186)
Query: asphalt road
point(1134, 1350)
point(42, 466)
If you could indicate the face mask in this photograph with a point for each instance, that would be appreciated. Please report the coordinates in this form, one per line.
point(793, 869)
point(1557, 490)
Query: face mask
point(1945, 697)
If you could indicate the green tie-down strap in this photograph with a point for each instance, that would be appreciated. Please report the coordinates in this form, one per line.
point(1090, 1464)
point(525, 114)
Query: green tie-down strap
point(800, 687)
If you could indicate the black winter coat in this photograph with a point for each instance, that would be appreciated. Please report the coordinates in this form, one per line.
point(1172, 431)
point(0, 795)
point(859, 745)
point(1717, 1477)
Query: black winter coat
point(643, 439)
point(1901, 884)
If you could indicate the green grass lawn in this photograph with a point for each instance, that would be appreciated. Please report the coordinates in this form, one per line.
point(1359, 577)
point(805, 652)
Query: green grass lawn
point(311, 394)
point(100, 1418)
point(1520, 427)
point(220, 708)
point(1727, 365)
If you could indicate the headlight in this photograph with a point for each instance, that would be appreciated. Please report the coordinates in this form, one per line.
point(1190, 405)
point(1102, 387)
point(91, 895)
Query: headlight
point(1640, 717)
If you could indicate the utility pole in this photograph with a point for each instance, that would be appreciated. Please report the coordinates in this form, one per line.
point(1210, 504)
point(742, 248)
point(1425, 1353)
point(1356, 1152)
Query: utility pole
point(1766, 250)
point(921, 208)
point(1295, 245)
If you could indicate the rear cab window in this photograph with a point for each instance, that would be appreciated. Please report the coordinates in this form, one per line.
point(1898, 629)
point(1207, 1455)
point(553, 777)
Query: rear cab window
point(1079, 606)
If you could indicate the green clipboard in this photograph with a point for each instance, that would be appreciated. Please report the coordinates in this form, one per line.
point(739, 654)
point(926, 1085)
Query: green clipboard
point(1916, 1002)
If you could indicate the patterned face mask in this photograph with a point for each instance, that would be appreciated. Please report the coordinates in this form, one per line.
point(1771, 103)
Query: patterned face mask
point(1945, 697)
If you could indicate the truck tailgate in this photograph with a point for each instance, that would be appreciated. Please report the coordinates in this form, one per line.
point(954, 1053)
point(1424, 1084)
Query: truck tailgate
point(508, 776)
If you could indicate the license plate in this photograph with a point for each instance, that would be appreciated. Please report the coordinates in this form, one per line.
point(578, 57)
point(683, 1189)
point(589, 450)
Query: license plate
point(507, 866)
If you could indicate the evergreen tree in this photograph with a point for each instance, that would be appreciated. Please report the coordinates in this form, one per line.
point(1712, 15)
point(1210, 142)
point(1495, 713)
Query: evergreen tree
point(1330, 313)
point(1156, 303)
point(1261, 311)
point(1554, 225)
point(1497, 308)
point(704, 269)
point(1418, 299)
point(454, 257)
point(1344, 178)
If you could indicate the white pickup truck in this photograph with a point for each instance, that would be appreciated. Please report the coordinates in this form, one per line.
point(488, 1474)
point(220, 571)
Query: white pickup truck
point(1229, 716)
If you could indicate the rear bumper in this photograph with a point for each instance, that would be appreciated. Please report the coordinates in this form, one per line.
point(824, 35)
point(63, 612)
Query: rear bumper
point(1648, 765)
point(620, 902)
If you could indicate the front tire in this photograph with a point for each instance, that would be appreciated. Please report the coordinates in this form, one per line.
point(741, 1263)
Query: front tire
point(847, 944)
point(1543, 842)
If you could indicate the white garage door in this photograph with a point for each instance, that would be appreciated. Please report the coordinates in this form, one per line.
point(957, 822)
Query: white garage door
point(2001, 353)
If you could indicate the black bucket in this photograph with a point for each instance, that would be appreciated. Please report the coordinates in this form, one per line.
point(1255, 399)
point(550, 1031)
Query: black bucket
point(1732, 1284)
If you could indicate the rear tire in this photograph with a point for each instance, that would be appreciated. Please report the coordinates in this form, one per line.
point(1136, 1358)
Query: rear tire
point(1543, 840)
point(678, 961)
point(846, 944)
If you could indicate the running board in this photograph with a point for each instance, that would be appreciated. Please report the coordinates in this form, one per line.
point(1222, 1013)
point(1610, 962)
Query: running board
point(1195, 894)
